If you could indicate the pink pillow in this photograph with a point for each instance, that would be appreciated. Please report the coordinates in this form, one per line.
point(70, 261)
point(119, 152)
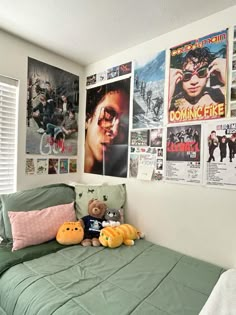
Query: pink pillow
point(38, 226)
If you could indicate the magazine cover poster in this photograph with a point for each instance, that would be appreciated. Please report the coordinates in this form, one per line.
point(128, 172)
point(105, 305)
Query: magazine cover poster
point(233, 80)
point(125, 68)
point(148, 97)
point(220, 148)
point(52, 110)
point(183, 153)
point(107, 129)
point(198, 79)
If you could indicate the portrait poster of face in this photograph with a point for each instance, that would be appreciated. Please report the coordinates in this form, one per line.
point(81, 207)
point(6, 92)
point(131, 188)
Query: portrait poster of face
point(183, 154)
point(220, 148)
point(52, 110)
point(198, 79)
point(107, 129)
point(148, 97)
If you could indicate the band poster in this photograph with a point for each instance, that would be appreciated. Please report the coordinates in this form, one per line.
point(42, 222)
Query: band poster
point(52, 110)
point(233, 81)
point(146, 154)
point(148, 97)
point(184, 154)
point(220, 145)
point(198, 79)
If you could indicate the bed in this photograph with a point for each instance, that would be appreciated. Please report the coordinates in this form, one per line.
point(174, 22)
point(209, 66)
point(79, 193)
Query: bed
point(140, 279)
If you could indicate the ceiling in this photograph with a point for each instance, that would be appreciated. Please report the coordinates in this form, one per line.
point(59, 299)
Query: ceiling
point(86, 31)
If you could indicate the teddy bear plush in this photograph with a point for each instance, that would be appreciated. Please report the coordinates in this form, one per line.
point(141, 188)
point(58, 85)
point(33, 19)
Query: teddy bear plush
point(92, 223)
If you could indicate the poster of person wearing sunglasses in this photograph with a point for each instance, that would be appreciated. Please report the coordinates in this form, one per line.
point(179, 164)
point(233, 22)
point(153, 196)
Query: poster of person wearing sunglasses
point(197, 80)
point(106, 129)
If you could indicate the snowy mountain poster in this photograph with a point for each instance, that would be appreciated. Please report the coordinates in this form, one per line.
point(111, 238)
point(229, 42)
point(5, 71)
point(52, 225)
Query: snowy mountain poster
point(148, 98)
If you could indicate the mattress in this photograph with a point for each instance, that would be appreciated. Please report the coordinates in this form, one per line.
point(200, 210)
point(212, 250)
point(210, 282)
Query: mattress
point(141, 279)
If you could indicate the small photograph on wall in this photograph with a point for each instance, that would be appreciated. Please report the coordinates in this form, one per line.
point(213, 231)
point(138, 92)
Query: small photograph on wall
point(91, 79)
point(73, 166)
point(148, 98)
point(125, 68)
point(198, 79)
point(139, 138)
point(53, 166)
point(29, 167)
point(133, 165)
point(156, 137)
point(220, 148)
point(183, 154)
point(107, 129)
point(113, 72)
point(63, 166)
point(42, 166)
point(52, 110)
point(101, 76)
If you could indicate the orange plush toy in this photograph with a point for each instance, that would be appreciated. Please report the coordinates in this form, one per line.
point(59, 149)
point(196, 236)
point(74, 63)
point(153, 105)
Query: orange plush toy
point(70, 233)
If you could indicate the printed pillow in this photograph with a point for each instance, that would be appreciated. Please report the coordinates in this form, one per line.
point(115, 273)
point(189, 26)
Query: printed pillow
point(113, 195)
point(31, 199)
point(38, 226)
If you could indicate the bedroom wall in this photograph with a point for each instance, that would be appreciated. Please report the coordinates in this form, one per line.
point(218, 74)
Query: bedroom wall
point(195, 220)
point(14, 54)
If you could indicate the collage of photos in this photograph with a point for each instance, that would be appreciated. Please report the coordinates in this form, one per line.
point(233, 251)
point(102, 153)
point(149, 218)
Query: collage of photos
point(146, 154)
point(43, 166)
point(110, 73)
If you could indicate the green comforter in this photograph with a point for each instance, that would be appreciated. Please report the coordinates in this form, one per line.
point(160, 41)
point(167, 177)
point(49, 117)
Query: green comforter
point(139, 280)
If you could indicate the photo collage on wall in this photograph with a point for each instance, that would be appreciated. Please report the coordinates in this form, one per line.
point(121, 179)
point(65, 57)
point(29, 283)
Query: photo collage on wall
point(187, 138)
point(52, 117)
point(43, 166)
point(110, 73)
point(146, 154)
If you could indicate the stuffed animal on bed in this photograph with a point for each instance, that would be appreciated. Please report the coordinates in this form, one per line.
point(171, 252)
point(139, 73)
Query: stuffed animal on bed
point(92, 223)
point(112, 217)
point(114, 236)
point(70, 233)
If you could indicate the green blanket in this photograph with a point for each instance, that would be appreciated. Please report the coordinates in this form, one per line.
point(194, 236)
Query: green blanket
point(138, 280)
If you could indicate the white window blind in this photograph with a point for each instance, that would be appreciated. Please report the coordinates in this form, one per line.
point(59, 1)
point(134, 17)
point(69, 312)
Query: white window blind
point(8, 126)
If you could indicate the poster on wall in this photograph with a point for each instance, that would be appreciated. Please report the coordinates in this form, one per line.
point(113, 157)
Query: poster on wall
point(29, 166)
point(233, 81)
point(52, 110)
point(146, 154)
point(198, 79)
point(107, 129)
point(220, 146)
point(183, 154)
point(148, 97)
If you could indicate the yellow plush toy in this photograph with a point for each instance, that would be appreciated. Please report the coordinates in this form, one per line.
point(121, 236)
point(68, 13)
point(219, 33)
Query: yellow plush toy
point(70, 233)
point(114, 236)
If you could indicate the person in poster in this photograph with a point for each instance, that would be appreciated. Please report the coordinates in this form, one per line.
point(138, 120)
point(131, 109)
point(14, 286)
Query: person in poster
point(183, 143)
point(107, 126)
point(198, 75)
point(52, 93)
point(148, 97)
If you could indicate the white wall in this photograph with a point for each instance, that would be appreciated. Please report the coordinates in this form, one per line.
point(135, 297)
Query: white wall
point(14, 55)
point(195, 220)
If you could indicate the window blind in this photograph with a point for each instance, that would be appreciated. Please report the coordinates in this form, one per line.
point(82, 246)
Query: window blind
point(8, 126)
